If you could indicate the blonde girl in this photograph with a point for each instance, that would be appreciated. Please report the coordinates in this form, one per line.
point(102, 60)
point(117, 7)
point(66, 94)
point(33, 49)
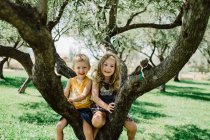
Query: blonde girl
point(105, 87)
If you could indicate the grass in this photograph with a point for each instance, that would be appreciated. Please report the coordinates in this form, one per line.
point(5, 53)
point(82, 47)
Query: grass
point(182, 112)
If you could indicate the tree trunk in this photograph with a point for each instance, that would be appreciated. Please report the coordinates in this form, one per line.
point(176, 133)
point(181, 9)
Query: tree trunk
point(24, 85)
point(1, 67)
point(176, 78)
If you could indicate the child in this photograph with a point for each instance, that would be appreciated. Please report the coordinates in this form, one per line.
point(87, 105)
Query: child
point(78, 92)
point(104, 90)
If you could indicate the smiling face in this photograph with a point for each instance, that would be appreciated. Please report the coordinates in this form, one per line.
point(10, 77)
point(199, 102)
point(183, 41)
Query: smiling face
point(108, 67)
point(81, 69)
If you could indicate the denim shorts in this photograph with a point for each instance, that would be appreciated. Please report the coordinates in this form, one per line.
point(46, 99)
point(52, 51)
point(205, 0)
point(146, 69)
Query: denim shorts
point(86, 114)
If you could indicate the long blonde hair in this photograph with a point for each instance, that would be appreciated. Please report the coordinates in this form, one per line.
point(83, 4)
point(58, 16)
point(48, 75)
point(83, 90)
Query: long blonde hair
point(115, 78)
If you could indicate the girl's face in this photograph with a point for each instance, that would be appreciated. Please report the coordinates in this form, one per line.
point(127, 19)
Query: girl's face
point(108, 67)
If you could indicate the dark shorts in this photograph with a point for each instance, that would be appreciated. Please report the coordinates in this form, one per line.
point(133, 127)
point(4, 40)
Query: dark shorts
point(85, 114)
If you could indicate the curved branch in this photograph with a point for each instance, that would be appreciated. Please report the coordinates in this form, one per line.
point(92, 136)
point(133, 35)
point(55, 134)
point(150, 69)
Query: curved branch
point(177, 22)
point(21, 17)
point(53, 23)
point(23, 58)
point(62, 68)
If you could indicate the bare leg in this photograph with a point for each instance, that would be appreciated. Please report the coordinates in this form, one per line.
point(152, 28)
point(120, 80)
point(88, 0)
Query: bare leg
point(131, 129)
point(98, 120)
point(59, 128)
point(88, 130)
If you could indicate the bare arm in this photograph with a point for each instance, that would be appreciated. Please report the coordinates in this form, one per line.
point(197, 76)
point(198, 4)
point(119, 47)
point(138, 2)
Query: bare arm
point(67, 88)
point(84, 94)
point(97, 100)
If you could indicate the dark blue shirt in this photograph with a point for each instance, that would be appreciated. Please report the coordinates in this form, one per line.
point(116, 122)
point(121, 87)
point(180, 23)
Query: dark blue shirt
point(106, 93)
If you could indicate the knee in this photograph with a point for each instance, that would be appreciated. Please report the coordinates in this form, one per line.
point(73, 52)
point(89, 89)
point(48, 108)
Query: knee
point(98, 120)
point(60, 126)
point(132, 128)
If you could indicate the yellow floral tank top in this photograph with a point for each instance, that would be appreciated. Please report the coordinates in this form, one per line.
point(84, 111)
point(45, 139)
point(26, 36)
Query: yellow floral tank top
point(76, 89)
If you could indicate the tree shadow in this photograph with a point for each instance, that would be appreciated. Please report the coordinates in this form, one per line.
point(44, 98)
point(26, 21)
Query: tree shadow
point(187, 92)
point(185, 89)
point(192, 95)
point(187, 132)
point(139, 111)
point(14, 82)
point(42, 113)
point(193, 82)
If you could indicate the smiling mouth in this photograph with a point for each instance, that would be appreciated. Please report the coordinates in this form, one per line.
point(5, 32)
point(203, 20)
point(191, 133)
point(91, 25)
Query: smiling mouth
point(107, 72)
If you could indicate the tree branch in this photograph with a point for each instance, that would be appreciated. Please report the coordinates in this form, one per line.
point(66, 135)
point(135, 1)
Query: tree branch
point(23, 58)
point(52, 24)
point(42, 10)
point(128, 26)
point(112, 14)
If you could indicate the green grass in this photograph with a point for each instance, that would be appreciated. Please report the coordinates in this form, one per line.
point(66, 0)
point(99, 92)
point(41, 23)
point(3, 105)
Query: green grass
point(181, 113)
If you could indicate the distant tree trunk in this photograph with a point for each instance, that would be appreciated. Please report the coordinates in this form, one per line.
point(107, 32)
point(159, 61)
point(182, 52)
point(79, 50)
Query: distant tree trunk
point(176, 78)
point(163, 86)
point(1, 67)
point(24, 85)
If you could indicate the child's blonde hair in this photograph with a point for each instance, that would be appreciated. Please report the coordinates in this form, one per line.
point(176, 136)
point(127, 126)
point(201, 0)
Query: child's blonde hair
point(115, 78)
point(80, 58)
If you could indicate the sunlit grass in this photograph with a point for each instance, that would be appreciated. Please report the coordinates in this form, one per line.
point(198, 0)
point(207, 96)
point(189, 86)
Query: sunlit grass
point(182, 112)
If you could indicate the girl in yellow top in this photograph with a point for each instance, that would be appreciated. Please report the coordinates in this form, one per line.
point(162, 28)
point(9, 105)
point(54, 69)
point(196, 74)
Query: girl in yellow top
point(78, 92)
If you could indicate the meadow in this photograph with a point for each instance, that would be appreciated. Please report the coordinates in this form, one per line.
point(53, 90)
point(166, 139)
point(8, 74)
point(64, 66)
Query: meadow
point(180, 113)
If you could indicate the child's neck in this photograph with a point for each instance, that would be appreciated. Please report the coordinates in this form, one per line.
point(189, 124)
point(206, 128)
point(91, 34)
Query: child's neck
point(80, 79)
point(106, 79)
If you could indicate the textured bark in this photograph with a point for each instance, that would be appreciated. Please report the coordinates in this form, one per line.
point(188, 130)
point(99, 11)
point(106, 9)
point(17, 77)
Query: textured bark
point(27, 21)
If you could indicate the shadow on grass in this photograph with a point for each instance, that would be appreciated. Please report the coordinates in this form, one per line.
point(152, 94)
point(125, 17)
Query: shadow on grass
point(183, 89)
point(187, 132)
point(40, 114)
point(187, 92)
point(193, 82)
point(14, 82)
point(139, 111)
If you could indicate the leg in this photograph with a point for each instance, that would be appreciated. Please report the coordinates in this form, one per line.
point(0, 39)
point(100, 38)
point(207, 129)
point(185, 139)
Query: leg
point(59, 128)
point(88, 130)
point(131, 129)
point(98, 120)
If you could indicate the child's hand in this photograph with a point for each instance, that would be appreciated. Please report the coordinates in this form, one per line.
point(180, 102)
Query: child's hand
point(110, 107)
point(71, 101)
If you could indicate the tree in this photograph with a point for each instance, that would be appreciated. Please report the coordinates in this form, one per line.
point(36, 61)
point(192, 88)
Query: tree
point(31, 23)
